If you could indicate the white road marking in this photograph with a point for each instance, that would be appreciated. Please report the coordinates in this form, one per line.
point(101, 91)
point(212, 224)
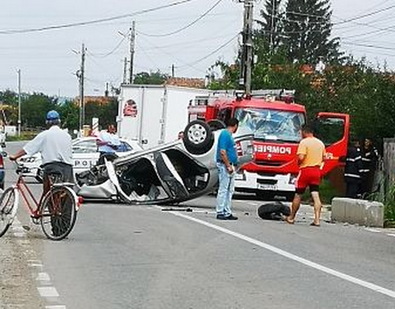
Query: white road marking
point(372, 230)
point(393, 235)
point(55, 307)
point(43, 277)
point(47, 291)
point(335, 273)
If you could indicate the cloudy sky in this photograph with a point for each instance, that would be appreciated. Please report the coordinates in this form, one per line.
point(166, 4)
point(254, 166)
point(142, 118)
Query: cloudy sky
point(43, 38)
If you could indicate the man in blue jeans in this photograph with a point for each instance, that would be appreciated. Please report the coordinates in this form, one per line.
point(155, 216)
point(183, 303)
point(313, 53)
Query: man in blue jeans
point(226, 162)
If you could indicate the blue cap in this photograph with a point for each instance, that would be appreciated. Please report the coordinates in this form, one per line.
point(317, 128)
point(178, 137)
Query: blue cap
point(52, 115)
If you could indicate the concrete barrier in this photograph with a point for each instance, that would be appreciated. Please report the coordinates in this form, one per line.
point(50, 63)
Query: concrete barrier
point(360, 212)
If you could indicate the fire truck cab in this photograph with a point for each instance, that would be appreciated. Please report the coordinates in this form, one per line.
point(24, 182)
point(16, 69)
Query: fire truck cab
point(276, 122)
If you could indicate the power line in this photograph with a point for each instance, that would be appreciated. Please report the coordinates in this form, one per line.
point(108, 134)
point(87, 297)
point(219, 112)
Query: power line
point(96, 21)
point(187, 26)
point(104, 55)
point(368, 45)
point(212, 53)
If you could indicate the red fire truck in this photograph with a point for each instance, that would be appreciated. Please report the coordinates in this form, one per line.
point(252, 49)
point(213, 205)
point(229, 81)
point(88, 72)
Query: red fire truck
point(276, 122)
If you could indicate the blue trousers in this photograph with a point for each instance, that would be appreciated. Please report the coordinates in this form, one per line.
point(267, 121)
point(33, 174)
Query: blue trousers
point(225, 190)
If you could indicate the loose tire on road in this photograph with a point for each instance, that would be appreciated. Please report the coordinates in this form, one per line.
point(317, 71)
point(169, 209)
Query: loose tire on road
point(198, 137)
point(273, 211)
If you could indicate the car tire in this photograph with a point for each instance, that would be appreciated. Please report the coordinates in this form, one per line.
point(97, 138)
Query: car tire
point(216, 124)
point(273, 211)
point(198, 137)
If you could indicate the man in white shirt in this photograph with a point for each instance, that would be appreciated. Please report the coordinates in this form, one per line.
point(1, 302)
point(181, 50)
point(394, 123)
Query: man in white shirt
point(54, 144)
point(108, 142)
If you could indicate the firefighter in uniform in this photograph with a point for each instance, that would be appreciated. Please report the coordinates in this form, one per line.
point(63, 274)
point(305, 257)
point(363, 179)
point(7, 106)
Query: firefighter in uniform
point(370, 157)
point(352, 170)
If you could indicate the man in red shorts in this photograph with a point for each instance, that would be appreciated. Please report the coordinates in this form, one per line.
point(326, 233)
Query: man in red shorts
point(311, 154)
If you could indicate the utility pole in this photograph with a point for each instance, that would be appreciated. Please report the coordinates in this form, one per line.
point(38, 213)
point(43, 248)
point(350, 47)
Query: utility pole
point(80, 75)
point(125, 70)
point(132, 45)
point(172, 70)
point(272, 28)
point(245, 78)
point(19, 102)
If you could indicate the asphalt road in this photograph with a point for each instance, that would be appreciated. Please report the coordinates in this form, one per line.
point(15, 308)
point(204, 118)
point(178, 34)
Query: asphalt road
point(121, 256)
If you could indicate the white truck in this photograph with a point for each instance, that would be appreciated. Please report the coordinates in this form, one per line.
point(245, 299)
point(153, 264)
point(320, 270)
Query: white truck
point(154, 114)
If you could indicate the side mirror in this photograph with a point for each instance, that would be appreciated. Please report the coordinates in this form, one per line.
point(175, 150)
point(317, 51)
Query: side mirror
point(144, 141)
point(4, 154)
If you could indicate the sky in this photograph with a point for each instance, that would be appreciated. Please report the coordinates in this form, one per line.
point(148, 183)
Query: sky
point(43, 38)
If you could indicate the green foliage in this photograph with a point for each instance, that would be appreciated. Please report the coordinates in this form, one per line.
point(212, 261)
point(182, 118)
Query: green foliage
point(327, 193)
point(389, 204)
point(151, 78)
point(301, 29)
point(106, 113)
point(34, 107)
point(69, 113)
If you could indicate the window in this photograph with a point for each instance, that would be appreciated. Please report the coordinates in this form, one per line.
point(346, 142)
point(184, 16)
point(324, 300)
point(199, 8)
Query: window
point(329, 130)
point(124, 147)
point(88, 146)
point(270, 124)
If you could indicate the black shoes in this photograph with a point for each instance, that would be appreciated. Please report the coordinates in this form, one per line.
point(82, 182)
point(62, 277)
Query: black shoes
point(230, 217)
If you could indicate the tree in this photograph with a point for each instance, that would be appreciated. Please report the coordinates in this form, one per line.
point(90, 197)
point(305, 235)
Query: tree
point(69, 113)
point(34, 108)
point(151, 78)
point(308, 28)
point(272, 24)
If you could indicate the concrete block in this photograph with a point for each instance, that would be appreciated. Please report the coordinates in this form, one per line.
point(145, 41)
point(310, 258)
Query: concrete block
point(360, 212)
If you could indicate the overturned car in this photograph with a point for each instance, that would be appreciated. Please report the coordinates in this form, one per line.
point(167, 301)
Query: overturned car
point(168, 173)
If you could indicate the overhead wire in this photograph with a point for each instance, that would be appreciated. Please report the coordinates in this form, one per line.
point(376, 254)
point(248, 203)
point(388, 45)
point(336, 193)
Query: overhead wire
point(104, 55)
point(186, 26)
point(96, 21)
point(213, 52)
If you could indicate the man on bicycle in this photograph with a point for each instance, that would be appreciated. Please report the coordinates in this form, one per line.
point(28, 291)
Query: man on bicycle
point(54, 144)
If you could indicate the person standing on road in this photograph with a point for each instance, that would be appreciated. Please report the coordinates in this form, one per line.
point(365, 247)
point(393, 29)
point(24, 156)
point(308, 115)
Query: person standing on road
point(370, 156)
point(108, 142)
point(311, 153)
point(352, 170)
point(54, 144)
point(227, 160)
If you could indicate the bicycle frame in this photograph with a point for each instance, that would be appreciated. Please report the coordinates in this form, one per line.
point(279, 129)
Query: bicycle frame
point(28, 196)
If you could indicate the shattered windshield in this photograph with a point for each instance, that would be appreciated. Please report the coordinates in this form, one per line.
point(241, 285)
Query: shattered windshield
point(269, 124)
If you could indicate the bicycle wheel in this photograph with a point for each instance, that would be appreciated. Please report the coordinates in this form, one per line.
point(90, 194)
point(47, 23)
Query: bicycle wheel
point(58, 213)
point(8, 208)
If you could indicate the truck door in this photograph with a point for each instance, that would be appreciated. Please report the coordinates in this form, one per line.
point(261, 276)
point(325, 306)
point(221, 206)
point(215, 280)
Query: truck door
point(333, 130)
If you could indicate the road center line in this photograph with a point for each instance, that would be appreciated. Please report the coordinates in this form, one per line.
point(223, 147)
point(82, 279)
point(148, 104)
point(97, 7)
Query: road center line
point(293, 257)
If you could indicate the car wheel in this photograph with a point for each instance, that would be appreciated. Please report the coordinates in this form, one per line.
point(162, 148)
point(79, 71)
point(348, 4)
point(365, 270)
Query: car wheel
point(216, 124)
point(273, 211)
point(198, 137)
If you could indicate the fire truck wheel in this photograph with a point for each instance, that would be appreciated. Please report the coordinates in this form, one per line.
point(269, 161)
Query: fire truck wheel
point(198, 138)
point(216, 124)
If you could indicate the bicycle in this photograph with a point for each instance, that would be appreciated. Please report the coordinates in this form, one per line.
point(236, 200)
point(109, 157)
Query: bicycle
point(56, 210)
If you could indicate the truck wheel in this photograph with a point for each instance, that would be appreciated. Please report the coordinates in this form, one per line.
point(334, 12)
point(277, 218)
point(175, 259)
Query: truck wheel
point(198, 137)
point(216, 124)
